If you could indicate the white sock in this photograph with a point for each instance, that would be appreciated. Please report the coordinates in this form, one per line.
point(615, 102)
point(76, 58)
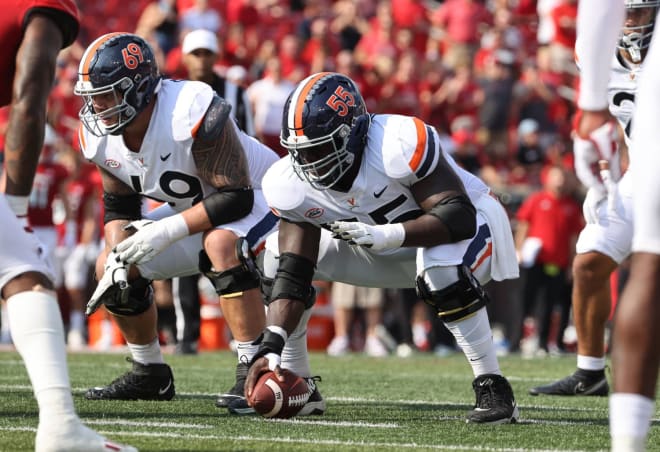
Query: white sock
point(106, 328)
point(148, 353)
point(76, 321)
point(590, 362)
point(630, 419)
point(38, 335)
point(246, 351)
point(295, 356)
point(475, 338)
point(5, 335)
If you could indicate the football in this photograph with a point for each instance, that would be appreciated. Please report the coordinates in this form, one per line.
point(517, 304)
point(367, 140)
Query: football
point(279, 399)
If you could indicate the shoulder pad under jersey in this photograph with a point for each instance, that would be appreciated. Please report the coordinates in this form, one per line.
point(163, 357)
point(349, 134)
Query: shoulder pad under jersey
point(282, 188)
point(89, 143)
point(410, 148)
point(192, 101)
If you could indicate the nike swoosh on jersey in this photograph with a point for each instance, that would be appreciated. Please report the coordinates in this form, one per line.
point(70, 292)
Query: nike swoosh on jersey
point(165, 157)
point(378, 193)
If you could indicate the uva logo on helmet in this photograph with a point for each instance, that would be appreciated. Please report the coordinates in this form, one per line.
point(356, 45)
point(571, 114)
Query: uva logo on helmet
point(117, 78)
point(318, 119)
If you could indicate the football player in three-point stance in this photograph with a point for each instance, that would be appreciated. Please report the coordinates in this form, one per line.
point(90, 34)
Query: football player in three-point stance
point(172, 141)
point(373, 200)
point(606, 239)
point(33, 32)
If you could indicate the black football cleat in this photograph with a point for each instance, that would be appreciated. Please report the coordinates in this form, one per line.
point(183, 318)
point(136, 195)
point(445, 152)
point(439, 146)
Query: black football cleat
point(142, 382)
point(581, 383)
point(495, 403)
point(236, 392)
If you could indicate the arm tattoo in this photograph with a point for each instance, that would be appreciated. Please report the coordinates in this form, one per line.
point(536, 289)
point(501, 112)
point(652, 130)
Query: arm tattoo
point(221, 161)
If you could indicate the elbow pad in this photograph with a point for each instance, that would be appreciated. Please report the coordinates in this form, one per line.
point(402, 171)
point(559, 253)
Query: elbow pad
point(458, 215)
point(228, 205)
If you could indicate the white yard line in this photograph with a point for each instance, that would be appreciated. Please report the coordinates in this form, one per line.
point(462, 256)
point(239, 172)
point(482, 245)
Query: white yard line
point(412, 446)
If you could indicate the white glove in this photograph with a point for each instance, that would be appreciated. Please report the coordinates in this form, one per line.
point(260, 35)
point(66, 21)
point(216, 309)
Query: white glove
point(115, 278)
point(378, 238)
point(600, 145)
point(151, 238)
point(614, 205)
point(596, 196)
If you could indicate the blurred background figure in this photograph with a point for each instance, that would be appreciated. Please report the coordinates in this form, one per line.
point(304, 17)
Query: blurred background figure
point(267, 97)
point(347, 300)
point(549, 222)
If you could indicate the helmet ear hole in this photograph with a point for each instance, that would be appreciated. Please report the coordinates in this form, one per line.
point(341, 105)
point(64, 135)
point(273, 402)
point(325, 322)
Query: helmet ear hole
point(357, 139)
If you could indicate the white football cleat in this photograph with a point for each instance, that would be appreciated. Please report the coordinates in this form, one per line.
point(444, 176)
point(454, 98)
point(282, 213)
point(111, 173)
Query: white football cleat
point(77, 438)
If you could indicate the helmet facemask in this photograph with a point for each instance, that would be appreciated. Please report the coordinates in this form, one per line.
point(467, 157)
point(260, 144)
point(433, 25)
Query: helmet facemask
point(634, 39)
point(122, 112)
point(321, 161)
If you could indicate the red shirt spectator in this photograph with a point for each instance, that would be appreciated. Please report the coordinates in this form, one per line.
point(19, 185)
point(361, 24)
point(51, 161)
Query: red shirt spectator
point(462, 20)
point(564, 17)
point(555, 219)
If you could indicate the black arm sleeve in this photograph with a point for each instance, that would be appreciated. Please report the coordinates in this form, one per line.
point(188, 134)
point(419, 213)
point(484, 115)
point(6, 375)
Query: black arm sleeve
point(227, 205)
point(122, 207)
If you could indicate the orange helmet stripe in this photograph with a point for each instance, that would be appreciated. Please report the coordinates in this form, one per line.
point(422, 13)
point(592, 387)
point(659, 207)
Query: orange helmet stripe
point(421, 145)
point(300, 101)
point(91, 51)
point(81, 137)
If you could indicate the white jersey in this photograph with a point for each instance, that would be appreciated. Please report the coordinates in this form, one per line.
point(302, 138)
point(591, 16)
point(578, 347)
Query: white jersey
point(164, 168)
point(621, 93)
point(400, 151)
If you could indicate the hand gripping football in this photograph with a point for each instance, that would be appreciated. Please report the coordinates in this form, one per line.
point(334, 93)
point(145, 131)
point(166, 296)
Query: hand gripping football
point(279, 399)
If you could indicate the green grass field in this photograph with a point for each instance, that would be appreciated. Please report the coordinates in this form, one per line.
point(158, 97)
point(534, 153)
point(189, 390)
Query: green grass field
point(390, 404)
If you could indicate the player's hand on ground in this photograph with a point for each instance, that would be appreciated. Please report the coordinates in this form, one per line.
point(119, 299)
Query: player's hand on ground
point(150, 238)
point(113, 284)
point(377, 237)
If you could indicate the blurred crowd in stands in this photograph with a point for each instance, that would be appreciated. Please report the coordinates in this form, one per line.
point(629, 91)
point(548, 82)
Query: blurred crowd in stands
point(497, 78)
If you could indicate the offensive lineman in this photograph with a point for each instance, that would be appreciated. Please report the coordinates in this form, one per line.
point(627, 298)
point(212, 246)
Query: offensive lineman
point(402, 214)
point(171, 141)
point(33, 32)
point(606, 240)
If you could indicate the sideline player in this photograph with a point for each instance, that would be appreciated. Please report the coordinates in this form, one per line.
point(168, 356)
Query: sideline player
point(372, 200)
point(171, 141)
point(33, 34)
point(606, 240)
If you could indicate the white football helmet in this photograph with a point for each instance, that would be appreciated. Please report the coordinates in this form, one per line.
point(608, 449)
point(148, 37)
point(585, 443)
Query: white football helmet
point(638, 28)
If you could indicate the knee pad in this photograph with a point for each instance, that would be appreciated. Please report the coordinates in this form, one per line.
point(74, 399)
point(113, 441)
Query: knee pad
point(460, 296)
point(140, 298)
point(233, 281)
point(267, 292)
